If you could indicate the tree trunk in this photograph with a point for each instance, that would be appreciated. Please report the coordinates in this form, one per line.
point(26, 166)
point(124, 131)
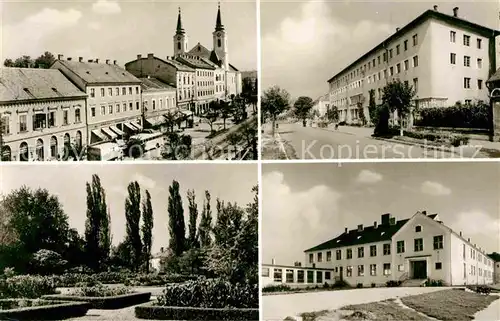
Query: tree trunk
point(273, 124)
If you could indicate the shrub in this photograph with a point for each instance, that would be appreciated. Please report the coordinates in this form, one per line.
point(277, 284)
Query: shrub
point(157, 279)
point(374, 285)
point(101, 291)
point(276, 288)
point(457, 140)
point(214, 293)
point(359, 285)
point(431, 283)
point(26, 286)
point(458, 116)
point(339, 284)
point(392, 283)
point(326, 286)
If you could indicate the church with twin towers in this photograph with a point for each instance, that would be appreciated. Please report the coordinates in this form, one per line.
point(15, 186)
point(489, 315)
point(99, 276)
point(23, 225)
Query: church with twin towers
point(226, 77)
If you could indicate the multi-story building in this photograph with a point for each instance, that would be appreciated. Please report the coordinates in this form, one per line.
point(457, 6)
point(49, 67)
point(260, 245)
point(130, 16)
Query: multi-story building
point(42, 114)
point(114, 106)
point(158, 99)
point(204, 82)
point(418, 248)
point(171, 72)
point(496, 271)
point(219, 55)
point(446, 59)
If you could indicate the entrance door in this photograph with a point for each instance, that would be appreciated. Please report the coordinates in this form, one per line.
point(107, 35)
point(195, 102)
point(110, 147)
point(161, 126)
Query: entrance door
point(419, 269)
point(341, 273)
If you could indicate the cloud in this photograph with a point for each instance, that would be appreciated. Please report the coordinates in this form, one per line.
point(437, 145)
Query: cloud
point(106, 7)
point(144, 181)
point(295, 220)
point(313, 45)
point(27, 36)
point(94, 25)
point(434, 189)
point(483, 224)
point(368, 177)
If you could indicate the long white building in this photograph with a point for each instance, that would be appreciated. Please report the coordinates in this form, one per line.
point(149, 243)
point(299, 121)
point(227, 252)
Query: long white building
point(446, 59)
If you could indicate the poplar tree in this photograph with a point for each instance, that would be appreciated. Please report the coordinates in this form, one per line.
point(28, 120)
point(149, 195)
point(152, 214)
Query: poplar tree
point(133, 216)
point(177, 228)
point(193, 218)
point(205, 227)
point(147, 229)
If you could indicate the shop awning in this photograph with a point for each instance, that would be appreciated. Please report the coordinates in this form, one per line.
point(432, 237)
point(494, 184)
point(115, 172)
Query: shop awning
point(116, 130)
point(136, 124)
point(129, 126)
point(155, 121)
point(109, 132)
point(99, 134)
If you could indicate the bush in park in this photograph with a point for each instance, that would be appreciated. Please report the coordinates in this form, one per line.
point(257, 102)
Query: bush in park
point(458, 116)
point(26, 286)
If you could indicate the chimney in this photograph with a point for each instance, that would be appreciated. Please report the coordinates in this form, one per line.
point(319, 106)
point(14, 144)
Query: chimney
point(455, 12)
point(435, 8)
point(114, 62)
point(424, 212)
point(90, 60)
point(346, 230)
point(162, 249)
point(375, 224)
point(468, 240)
point(392, 221)
point(273, 261)
point(360, 227)
point(460, 233)
point(80, 59)
point(397, 29)
point(69, 58)
point(139, 57)
point(97, 60)
point(150, 56)
point(107, 61)
point(60, 57)
point(385, 218)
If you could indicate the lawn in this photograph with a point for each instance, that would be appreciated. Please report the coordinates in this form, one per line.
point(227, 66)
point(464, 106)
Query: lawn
point(381, 311)
point(272, 149)
point(453, 305)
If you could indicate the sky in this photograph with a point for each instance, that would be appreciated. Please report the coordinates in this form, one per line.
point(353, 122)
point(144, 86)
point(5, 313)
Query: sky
point(229, 182)
point(305, 43)
point(304, 205)
point(120, 30)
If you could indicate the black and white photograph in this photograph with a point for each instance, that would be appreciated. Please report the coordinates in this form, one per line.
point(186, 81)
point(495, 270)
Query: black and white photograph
point(128, 80)
point(380, 241)
point(129, 242)
point(380, 79)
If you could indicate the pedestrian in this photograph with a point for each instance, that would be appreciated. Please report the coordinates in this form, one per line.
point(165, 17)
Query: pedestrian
point(336, 126)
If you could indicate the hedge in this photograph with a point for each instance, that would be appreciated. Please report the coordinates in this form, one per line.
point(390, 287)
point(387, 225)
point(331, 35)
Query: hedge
point(105, 303)
point(210, 294)
point(190, 313)
point(461, 116)
point(58, 311)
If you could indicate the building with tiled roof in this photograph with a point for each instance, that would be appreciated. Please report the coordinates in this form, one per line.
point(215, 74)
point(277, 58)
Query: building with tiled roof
point(114, 106)
point(446, 58)
point(321, 105)
point(409, 250)
point(159, 99)
point(42, 114)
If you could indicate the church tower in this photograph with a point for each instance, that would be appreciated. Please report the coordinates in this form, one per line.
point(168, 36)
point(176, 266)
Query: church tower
point(220, 41)
point(180, 38)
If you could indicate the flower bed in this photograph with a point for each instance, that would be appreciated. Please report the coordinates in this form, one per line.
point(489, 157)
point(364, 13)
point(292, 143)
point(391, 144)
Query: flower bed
point(26, 286)
point(22, 309)
point(105, 302)
point(204, 300)
point(187, 313)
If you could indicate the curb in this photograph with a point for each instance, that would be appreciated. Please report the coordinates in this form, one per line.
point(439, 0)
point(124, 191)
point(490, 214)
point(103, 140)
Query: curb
point(395, 141)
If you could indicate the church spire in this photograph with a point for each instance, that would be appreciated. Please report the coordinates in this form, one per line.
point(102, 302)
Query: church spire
point(218, 25)
point(180, 30)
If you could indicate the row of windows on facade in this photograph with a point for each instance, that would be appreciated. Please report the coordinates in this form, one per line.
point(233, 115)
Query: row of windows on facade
point(40, 121)
point(473, 271)
point(378, 95)
point(118, 109)
point(400, 245)
point(467, 59)
point(24, 149)
point(116, 91)
point(170, 103)
point(383, 74)
point(290, 276)
point(205, 73)
point(479, 256)
point(389, 53)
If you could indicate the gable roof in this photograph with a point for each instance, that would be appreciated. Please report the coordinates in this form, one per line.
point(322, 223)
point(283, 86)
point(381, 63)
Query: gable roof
point(369, 234)
point(200, 50)
point(179, 66)
point(96, 73)
point(154, 84)
point(233, 68)
point(21, 84)
point(428, 14)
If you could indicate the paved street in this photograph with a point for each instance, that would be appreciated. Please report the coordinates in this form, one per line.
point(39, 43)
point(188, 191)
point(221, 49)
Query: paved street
point(355, 143)
point(278, 307)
